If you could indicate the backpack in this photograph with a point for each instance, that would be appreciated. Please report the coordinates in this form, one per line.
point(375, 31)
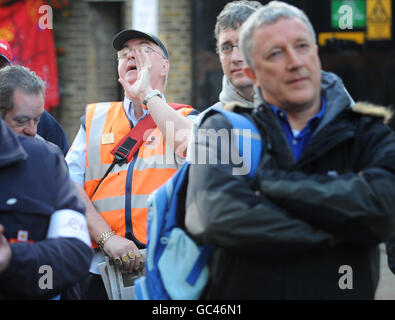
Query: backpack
point(176, 266)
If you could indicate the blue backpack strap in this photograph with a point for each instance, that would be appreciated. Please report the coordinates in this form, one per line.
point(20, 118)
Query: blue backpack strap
point(205, 253)
point(248, 130)
point(173, 196)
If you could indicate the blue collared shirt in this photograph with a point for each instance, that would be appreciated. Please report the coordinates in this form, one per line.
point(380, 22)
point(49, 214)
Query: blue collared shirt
point(298, 140)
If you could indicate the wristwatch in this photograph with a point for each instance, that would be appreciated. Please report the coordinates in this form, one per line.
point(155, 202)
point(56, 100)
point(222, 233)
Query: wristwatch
point(153, 93)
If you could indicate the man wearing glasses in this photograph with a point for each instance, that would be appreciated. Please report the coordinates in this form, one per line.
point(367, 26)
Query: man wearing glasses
point(115, 192)
point(236, 86)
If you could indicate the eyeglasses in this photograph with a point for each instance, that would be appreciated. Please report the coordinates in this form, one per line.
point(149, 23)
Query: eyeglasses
point(123, 54)
point(226, 49)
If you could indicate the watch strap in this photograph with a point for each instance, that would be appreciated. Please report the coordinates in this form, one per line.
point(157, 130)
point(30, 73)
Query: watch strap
point(153, 93)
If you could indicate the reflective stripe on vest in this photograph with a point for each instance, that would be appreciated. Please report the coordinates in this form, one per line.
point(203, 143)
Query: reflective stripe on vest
point(155, 163)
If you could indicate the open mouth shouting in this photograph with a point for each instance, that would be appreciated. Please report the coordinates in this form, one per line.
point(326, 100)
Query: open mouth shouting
point(131, 67)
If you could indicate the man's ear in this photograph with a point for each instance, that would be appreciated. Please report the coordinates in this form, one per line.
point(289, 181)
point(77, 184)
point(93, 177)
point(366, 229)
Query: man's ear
point(250, 73)
point(165, 67)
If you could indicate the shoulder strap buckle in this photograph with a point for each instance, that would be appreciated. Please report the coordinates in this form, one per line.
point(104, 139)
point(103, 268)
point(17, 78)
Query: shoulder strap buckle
point(122, 152)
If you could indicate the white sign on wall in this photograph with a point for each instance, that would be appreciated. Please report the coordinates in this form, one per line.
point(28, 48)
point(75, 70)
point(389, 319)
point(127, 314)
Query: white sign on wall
point(145, 16)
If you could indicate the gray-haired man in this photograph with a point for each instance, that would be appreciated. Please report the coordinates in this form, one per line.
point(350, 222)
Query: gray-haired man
point(21, 99)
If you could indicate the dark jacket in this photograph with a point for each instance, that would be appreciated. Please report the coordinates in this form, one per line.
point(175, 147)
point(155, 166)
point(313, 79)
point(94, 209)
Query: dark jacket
point(34, 183)
point(290, 232)
point(50, 130)
point(390, 249)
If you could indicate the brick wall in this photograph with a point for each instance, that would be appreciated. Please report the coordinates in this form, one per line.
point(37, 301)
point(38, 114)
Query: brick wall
point(87, 68)
point(175, 29)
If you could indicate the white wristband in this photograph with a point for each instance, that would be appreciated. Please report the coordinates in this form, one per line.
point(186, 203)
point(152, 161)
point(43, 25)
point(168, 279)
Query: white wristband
point(69, 223)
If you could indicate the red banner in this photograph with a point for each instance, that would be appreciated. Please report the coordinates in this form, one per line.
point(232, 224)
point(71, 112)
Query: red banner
point(32, 43)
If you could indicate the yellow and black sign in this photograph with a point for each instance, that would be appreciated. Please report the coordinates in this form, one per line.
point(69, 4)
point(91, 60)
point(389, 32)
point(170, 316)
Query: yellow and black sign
point(379, 20)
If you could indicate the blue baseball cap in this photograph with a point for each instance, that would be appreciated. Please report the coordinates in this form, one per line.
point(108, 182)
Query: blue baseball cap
point(125, 35)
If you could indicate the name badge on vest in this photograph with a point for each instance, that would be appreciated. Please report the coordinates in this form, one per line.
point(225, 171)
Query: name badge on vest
point(107, 138)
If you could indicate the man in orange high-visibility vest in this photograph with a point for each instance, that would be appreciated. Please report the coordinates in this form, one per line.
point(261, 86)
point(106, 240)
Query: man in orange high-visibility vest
point(116, 197)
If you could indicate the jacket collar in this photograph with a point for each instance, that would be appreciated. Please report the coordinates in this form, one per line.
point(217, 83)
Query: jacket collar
point(229, 94)
point(11, 149)
point(337, 97)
